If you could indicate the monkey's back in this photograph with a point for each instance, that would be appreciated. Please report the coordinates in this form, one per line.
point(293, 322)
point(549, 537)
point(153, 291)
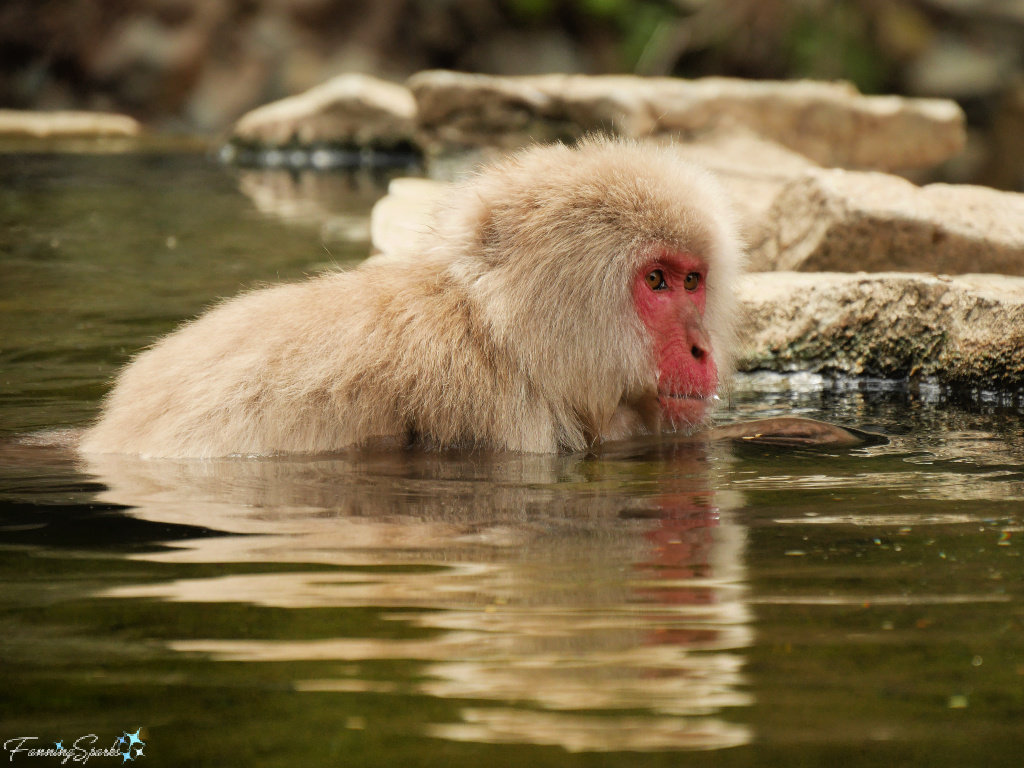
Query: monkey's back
point(258, 374)
point(384, 350)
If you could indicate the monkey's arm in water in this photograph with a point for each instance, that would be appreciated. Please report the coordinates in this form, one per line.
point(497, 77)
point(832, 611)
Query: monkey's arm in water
point(794, 431)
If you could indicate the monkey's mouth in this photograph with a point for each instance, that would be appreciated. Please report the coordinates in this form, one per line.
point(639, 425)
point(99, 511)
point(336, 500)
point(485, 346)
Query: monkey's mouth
point(685, 409)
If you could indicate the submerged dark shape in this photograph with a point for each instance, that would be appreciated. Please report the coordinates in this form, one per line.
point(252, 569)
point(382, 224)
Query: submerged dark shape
point(795, 431)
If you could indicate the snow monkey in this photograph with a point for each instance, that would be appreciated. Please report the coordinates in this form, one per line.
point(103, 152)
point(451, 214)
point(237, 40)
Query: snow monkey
point(562, 297)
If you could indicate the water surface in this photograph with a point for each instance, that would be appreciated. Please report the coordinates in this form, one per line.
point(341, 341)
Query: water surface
point(663, 602)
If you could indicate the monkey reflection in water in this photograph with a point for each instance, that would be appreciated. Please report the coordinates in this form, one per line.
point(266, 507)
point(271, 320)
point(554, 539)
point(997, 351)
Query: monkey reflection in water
point(600, 605)
point(562, 298)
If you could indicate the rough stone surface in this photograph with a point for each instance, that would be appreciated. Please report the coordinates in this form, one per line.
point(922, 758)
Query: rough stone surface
point(830, 123)
point(964, 331)
point(348, 109)
point(46, 125)
point(840, 220)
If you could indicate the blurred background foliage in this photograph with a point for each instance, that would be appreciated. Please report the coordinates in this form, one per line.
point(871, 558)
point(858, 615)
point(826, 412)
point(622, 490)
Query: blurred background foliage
point(196, 65)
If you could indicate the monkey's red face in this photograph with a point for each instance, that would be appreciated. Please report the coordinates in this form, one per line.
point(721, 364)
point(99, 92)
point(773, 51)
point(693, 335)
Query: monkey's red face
point(670, 295)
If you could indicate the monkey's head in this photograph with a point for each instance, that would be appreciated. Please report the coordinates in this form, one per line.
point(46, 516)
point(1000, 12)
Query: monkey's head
point(608, 271)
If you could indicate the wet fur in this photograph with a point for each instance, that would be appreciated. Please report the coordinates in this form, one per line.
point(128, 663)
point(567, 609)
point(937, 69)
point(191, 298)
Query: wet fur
point(509, 326)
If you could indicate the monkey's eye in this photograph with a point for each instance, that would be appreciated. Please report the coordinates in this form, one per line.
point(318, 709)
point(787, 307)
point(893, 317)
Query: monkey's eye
point(656, 280)
point(692, 281)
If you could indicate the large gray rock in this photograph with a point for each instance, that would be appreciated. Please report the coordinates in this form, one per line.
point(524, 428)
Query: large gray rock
point(966, 331)
point(834, 220)
point(830, 123)
point(348, 109)
point(49, 125)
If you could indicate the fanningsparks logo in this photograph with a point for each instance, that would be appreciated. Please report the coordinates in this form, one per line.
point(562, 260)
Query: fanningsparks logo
point(128, 746)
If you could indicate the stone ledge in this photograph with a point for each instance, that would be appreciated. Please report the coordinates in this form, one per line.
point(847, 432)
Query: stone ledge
point(348, 109)
point(57, 125)
point(829, 123)
point(824, 220)
point(964, 331)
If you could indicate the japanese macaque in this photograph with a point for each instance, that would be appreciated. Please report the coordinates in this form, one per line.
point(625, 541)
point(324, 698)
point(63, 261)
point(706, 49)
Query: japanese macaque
point(562, 297)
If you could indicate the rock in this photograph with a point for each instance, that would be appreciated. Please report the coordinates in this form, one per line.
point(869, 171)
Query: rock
point(842, 220)
point(348, 109)
point(830, 123)
point(964, 331)
point(47, 125)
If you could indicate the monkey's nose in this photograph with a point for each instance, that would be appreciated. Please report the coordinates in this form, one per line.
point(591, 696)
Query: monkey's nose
point(700, 346)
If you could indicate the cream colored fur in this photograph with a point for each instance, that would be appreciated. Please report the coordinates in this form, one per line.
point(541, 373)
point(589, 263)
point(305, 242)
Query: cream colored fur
point(512, 328)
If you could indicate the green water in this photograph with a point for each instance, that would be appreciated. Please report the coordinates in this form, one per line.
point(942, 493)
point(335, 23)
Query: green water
point(663, 603)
